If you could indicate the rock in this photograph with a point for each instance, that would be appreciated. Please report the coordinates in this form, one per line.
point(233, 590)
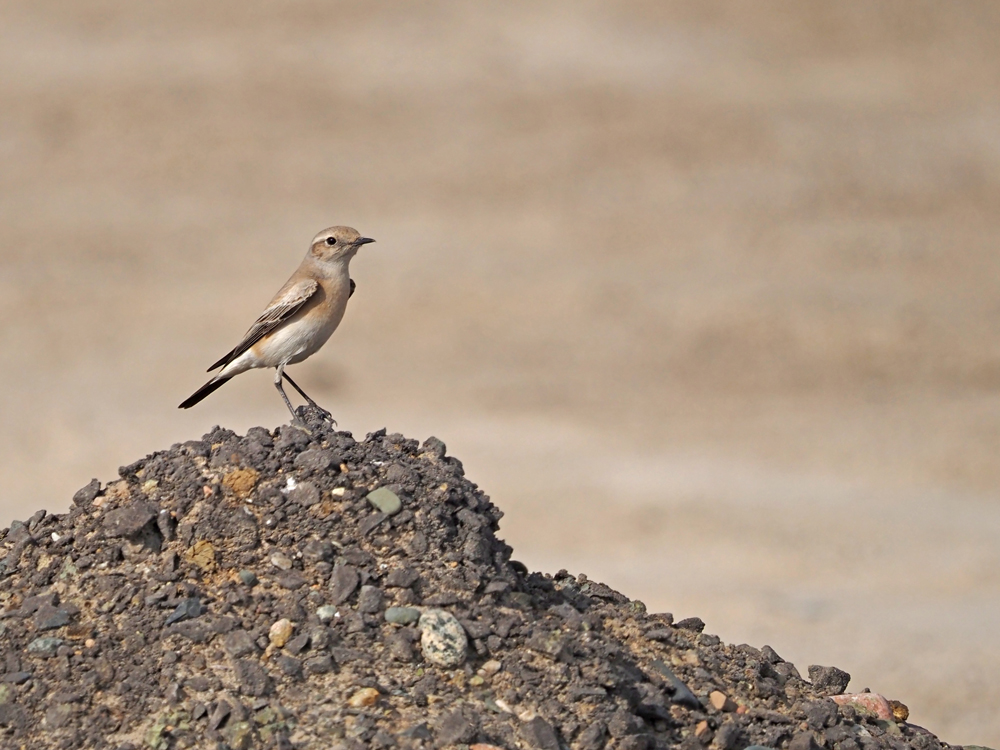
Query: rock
point(86, 495)
point(803, 741)
point(370, 599)
point(538, 733)
point(364, 697)
point(281, 561)
point(202, 554)
point(305, 494)
point(317, 550)
point(401, 578)
point(454, 728)
point(593, 737)
point(241, 482)
point(442, 640)
point(869, 704)
point(703, 732)
point(280, 632)
point(344, 581)
point(128, 521)
point(319, 664)
point(828, 680)
point(248, 577)
point(44, 646)
point(239, 643)
point(728, 735)
point(402, 615)
point(252, 678)
point(298, 644)
point(400, 647)
point(385, 500)
point(491, 667)
point(188, 609)
point(326, 613)
point(49, 618)
point(691, 623)
point(315, 461)
point(721, 702)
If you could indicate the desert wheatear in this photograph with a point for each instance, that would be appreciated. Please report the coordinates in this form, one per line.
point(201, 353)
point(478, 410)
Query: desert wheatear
point(300, 318)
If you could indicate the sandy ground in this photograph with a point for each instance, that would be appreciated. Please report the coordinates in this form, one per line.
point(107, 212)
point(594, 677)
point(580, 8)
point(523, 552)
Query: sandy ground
point(742, 255)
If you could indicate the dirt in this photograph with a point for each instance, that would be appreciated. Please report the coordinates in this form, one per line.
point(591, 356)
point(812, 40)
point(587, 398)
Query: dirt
point(245, 591)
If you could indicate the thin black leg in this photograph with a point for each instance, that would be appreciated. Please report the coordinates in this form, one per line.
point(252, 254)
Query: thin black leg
point(284, 396)
point(313, 404)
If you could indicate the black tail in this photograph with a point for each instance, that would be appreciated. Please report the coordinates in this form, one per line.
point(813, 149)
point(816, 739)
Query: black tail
point(210, 387)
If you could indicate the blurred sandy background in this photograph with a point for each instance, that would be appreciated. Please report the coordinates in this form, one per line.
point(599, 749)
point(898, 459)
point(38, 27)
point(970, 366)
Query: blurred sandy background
point(706, 296)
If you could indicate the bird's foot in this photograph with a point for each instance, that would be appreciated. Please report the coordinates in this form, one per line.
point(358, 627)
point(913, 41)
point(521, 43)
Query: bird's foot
point(312, 413)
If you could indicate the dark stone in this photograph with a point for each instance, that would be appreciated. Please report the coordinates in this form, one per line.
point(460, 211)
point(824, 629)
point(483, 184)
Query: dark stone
point(434, 447)
point(319, 664)
point(317, 550)
point(682, 694)
point(803, 741)
point(188, 609)
point(371, 522)
point(289, 665)
point(219, 715)
point(344, 580)
point(298, 644)
point(401, 578)
point(821, 714)
point(130, 520)
point(455, 728)
point(48, 617)
point(400, 647)
point(624, 723)
point(86, 495)
point(315, 461)
point(728, 736)
point(252, 678)
point(691, 623)
point(239, 643)
point(370, 599)
point(291, 580)
point(305, 494)
point(538, 733)
point(828, 680)
point(593, 737)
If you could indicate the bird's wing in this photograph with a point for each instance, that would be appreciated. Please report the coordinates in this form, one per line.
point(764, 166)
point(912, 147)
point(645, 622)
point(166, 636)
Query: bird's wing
point(282, 307)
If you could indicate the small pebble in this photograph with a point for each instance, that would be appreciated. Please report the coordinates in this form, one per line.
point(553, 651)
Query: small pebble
point(385, 500)
point(281, 561)
point(721, 702)
point(491, 667)
point(362, 698)
point(442, 640)
point(402, 615)
point(248, 577)
point(280, 632)
point(327, 612)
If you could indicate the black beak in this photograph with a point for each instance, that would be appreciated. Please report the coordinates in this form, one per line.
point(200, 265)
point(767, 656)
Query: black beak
point(363, 241)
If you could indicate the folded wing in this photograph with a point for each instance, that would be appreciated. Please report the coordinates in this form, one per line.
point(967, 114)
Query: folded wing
point(287, 302)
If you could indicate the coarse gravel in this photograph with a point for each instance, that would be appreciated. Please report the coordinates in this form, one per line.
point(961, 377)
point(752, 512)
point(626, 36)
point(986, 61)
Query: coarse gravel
point(298, 588)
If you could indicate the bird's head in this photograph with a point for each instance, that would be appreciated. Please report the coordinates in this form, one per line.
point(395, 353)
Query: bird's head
point(337, 243)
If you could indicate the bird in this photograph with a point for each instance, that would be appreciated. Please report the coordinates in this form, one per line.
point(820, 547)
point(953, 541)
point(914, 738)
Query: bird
point(298, 320)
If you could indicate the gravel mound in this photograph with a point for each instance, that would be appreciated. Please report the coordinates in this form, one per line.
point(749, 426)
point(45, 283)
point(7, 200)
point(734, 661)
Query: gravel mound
point(300, 589)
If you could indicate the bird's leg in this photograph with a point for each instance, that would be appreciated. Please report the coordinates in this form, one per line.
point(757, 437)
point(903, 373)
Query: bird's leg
point(313, 404)
point(284, 396)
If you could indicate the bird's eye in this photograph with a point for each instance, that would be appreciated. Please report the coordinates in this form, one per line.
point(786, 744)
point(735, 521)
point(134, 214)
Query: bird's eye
point(331, 240)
